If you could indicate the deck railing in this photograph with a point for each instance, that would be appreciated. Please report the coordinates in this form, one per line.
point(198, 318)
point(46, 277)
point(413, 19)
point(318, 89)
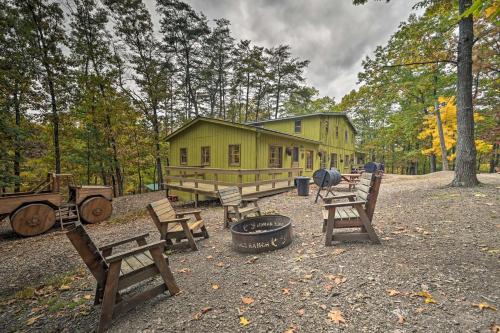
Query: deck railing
point(216, 177)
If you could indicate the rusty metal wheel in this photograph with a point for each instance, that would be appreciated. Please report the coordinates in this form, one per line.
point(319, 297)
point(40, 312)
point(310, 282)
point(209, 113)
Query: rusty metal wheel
point(33, 219)
point(95, 210)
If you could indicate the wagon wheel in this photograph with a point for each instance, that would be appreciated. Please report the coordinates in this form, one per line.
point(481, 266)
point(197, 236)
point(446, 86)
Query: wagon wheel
point(95, 210)
point(33, 219)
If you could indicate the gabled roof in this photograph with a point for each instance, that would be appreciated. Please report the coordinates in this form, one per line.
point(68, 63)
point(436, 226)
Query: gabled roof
point(330, 114)
point(237, 125)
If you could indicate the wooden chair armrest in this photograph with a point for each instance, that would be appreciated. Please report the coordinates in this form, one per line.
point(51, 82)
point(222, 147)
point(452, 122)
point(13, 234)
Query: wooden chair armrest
point(188, 212)
point(131, 252)
point(230, 205)
point(343, 196)
point(182, 219)
point(250, 199)
point(344, 204)
point(123, 241)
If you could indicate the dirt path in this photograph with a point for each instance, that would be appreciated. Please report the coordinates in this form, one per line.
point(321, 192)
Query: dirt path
point(435, 239)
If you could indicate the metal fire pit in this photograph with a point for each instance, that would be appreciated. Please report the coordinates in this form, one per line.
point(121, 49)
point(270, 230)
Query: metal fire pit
point(262, 233)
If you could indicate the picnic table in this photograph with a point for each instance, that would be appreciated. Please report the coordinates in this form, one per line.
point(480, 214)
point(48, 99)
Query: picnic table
point(351, 178)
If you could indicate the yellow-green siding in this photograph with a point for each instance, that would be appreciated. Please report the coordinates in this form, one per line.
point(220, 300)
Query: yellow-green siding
point(323, 128)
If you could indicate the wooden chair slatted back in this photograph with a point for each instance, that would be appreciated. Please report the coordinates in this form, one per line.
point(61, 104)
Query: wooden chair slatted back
point(364, 187)
point(161, 210)
point(230, 195)
point(89, 252)
point(376, 179)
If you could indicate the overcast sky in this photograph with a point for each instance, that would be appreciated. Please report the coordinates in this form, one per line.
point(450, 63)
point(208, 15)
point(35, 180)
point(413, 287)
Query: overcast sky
point(333, 34)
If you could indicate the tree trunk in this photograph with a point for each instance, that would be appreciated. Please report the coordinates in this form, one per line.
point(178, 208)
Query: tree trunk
point(432, 163)
point(157, 148)
point(465, 171)
point(17, 147)
point(55, 124)
point(247, 97)
point(442, 144)
point(278, 92)
point(494, 158)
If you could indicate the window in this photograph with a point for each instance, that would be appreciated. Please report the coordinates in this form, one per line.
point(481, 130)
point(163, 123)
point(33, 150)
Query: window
point(275, 156)
point(346, 135)
point(205, 155)
point(309, 159)
point(336, 132)
point(234, 155)
point(333, 162)
point(183, 156)
point(298, 126)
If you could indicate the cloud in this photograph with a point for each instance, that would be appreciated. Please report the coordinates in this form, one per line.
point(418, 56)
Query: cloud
point(333, 34)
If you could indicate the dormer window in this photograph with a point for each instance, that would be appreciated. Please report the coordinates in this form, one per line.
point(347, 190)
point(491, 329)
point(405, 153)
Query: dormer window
point(298, 126)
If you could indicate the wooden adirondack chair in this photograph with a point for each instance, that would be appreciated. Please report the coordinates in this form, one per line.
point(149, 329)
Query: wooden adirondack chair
point(357, 212)
point(116, 272)
point(235, 206)
point(173, 225)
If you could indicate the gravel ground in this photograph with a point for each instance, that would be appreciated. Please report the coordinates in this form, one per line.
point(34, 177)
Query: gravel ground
point(435, 239)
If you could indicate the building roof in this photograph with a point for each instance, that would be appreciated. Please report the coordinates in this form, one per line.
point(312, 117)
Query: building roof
point(335, 114)
point(237, 125)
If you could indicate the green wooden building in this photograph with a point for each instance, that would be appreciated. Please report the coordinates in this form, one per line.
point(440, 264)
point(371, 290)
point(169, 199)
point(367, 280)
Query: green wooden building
point(207, 153)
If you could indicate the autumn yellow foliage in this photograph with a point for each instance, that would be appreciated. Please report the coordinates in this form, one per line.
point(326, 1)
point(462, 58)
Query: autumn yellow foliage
point(449, 121)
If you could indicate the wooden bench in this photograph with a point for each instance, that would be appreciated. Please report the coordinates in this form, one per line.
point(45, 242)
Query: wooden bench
point(115, 272)
point(173, 225)
point(235, 206)
point(357, 212)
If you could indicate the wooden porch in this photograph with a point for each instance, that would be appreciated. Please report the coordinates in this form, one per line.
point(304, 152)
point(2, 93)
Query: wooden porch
point(207, 181)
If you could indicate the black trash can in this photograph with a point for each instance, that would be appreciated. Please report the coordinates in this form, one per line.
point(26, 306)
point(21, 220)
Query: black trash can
point(302, 184)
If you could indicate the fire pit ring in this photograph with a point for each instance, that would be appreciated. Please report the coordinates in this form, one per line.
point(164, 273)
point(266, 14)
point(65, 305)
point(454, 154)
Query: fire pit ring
point(262, 233)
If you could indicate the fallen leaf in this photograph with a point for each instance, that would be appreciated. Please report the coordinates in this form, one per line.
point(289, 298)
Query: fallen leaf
point(215, 286)
point(64, 287)
point(393, 292)
point(285, 291)
point(308, 277)
point(483, 306)
point(301, 312)
point(198, 315)
point(291, 329)
point(220, 264)
point(495, 328)
point(184, 270)
point(87, 296)
point(323, 306)
point(427, 297)
point(244, 321)
point(247, 300)
point(328, 287)
point(338, 251)
point(338, 279)
point(336, 316)
point(210, 257)
point(252, 260)
point(32, 320)
point(401, 319)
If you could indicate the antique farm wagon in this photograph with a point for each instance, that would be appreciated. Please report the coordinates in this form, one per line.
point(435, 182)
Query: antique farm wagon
point(36, 211)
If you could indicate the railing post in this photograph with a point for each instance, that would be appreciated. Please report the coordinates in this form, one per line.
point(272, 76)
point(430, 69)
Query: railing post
point(290, 174)
point(257, 180)
point(273, 176)
point(240, 182)
point(216, 179)
point(195, 179)
point(182, 176)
